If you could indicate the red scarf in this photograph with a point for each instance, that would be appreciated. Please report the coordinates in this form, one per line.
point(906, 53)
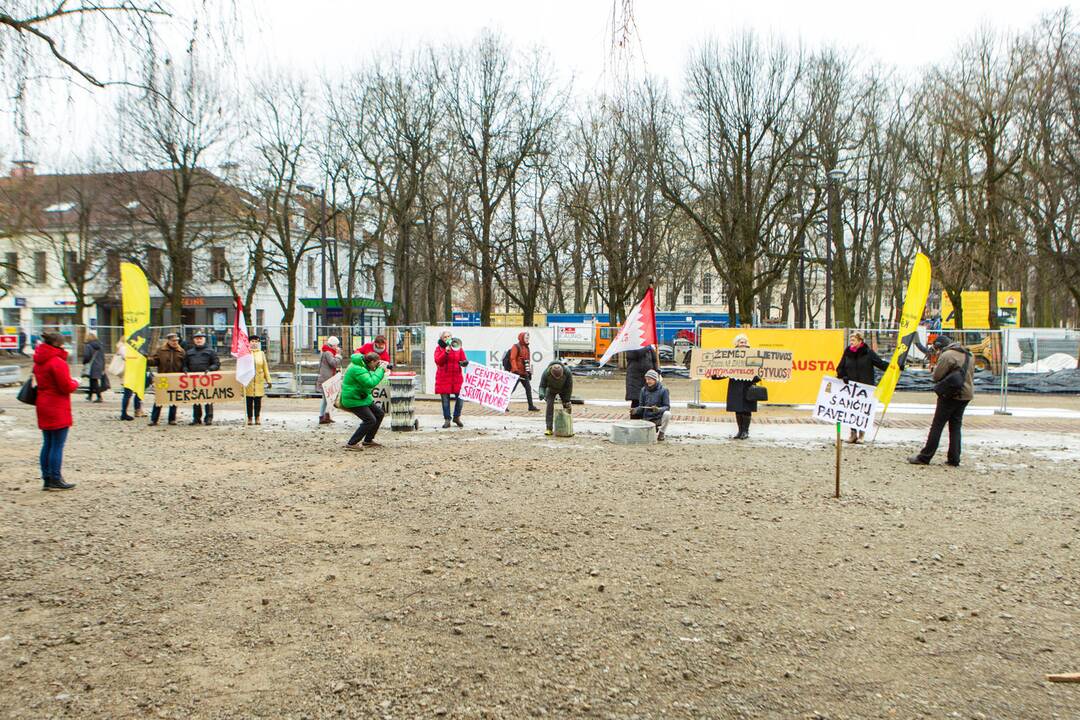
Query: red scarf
point(330, 348)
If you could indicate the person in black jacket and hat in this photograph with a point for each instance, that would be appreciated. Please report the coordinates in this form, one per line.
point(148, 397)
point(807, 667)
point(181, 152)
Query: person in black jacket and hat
point(857, 365)
point(737, 402)
point(638, 362)
point(201, 358)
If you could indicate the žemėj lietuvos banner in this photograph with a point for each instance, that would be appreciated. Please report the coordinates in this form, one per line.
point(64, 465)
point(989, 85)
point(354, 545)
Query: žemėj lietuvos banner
point(851, 404)
point(486, 345)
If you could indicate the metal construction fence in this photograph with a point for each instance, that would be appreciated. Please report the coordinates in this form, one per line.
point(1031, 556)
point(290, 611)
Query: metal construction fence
point(1016, 360)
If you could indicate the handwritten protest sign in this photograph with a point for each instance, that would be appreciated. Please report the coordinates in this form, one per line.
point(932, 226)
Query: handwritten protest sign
point(742, 364)
point(851, 404)
point(192, 388)
point(490, 387)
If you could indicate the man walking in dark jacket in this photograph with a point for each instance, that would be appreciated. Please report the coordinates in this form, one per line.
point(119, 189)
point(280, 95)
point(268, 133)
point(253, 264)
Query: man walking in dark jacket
point(201, 358)
point(952, 399)
point(556, 381)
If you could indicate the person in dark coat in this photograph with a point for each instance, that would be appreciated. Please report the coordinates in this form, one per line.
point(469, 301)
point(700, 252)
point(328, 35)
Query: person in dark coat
point(53, 407)
point(169, 358)
point(950, 409)
point(857, 365)
point(654, 404)
point(93, 358)
point(638, 362)
point(556, 382)
point(736, 397)
point(201, 358)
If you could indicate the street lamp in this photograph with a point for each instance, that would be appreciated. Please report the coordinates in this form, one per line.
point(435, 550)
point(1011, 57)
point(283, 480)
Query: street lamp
point(835, 236)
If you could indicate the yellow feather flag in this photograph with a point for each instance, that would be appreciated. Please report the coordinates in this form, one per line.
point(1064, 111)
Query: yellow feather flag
point(135, 295)
point(914, 303)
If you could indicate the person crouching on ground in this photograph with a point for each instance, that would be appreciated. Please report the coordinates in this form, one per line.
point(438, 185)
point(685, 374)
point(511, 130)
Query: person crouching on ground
point(857, 365)
point(654, 404)
point(557, 381)
point(53, 407)
point(364, 374)
point(256, 389)
point(450, 362)
point(329, 365)
point(954, 374)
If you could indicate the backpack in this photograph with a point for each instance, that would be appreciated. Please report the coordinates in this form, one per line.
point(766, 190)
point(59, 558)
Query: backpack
point(951, 386)
point(506, 359)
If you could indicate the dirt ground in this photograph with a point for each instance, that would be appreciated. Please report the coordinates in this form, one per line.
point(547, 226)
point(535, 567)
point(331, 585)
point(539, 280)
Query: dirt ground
point(234, 572)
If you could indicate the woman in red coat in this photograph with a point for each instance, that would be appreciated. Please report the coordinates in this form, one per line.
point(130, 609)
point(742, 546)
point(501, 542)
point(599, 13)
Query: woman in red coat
point(54, 388)
point(450, 360)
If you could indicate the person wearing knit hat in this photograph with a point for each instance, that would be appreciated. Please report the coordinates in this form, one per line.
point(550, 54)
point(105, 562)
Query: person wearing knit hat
point(654, 404)
point(329, 365)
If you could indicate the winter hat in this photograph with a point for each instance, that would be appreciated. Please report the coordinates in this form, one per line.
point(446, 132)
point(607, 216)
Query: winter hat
point(332, 341)
point(653, 374)
point(942, 341)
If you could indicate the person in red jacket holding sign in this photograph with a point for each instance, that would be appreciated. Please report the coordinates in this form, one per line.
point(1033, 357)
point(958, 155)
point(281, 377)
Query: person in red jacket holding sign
point(450, 362)
point(54, 388)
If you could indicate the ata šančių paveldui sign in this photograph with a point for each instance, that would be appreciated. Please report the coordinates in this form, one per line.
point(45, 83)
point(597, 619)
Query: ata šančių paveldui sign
point(192, 388)
point(851, 404)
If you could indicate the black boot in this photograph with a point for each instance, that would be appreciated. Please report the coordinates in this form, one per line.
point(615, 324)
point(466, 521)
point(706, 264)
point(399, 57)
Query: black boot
point(57, 485)
point(745, 434)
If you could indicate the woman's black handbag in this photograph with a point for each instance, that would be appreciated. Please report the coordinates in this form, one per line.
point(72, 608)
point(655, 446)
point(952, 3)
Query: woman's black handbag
point(757, 393)
point(28, 392)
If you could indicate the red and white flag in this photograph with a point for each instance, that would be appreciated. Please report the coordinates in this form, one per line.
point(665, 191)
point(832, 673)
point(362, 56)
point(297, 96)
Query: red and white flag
point(639, 330)
point(241, 350)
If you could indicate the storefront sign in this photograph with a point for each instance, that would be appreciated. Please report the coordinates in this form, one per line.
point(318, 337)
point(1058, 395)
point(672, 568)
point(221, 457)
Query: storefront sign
point(742, 364)
point(9, 342)
point(192, 388)
point(193, 301)
point(20, 302)
point(814, 355)
point(489, 387)
point(850, 404)
point(64, 303)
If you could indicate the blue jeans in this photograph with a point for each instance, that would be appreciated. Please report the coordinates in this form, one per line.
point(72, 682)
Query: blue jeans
point(446, 406)
point(128, 394)
point(52, 453)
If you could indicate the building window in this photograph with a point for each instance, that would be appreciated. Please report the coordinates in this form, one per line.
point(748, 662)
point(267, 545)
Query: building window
point(40, 268)
point(11, 263)
point(706, 289)
point(153, 263)
point(688, 295)
point(217, 264)
point(112, 264)
point(186, 264)
point(311, 272)
point(71, 264)
point(260, 318)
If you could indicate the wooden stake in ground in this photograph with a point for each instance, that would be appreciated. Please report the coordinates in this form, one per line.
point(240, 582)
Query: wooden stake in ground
point(1065, 678)
point(839, 442)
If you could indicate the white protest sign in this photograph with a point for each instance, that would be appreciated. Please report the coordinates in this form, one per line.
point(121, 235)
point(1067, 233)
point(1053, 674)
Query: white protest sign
point(486, 346)
point(489, 387)
point(851, 404)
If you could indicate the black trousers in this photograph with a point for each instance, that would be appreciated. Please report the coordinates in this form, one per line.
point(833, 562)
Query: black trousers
point(254, 406)
point(371, 418)
point(155, 413)
point(528, 389)
point(549, 412)
point(951, 413)
point(198, 411)
point(95, 388)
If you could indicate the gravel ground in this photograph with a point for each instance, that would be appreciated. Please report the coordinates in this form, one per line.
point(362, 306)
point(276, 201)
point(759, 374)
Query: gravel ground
point(230, 572)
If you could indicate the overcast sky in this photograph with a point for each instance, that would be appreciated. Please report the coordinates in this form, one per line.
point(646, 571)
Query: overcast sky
point(331, 35)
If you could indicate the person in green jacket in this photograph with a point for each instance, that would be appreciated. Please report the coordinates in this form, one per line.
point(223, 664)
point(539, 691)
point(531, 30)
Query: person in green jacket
point(364, 373)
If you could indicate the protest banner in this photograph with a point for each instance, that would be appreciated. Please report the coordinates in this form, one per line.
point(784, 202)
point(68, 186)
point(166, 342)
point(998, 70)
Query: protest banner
point(742, 364)
point(9, 342)
point(814, 354)
point(489, 387)
point(486, 346)
point(851, 404)
point(192, 388)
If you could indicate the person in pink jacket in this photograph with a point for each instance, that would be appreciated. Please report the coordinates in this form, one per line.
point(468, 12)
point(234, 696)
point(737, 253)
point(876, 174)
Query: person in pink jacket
point(450, 362)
